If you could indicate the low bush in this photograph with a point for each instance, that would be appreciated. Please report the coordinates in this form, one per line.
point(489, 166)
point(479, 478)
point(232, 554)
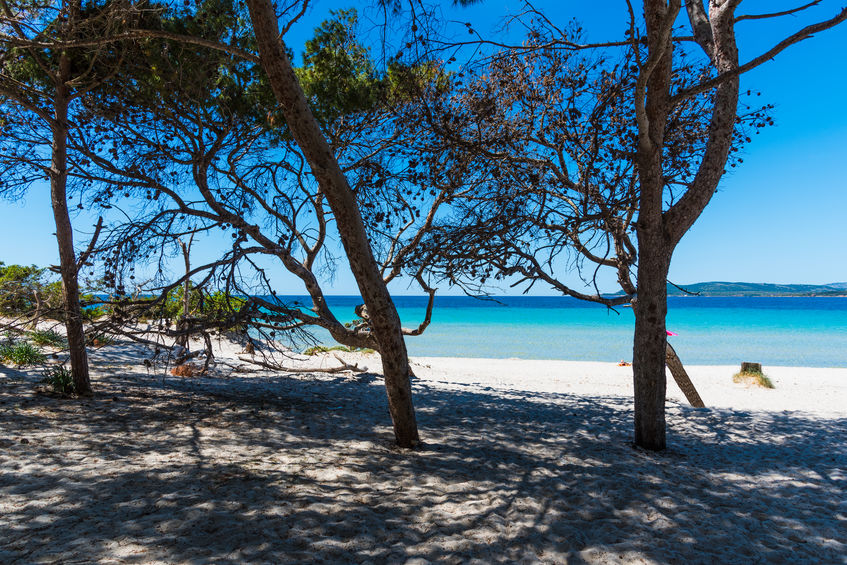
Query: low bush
point(752, 378)
point(48, 337)
point(60, 379)
point(93, 313)
point(22, 353)
point(324, 349)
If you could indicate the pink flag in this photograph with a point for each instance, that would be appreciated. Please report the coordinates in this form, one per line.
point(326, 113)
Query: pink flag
point(671, 333)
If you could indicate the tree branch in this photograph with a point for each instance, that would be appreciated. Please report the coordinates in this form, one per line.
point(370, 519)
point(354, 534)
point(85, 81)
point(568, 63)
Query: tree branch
point(84, 256)
point(701, 27)
point(132, 35)
point(275, 367)
point(777, 14)
point(804, 33)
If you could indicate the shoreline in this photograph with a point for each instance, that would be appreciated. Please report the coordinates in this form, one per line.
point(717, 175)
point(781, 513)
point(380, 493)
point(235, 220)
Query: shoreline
point(780, 367)
point(821, 391)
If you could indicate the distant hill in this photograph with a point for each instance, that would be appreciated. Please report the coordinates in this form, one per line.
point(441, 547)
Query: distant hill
point(720, 288)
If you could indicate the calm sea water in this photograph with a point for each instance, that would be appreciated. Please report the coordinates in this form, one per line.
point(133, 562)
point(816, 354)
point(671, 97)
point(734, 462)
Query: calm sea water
point(810, 332)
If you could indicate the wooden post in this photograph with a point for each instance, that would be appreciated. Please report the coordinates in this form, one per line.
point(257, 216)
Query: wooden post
point(681, 377)
point(747, 367)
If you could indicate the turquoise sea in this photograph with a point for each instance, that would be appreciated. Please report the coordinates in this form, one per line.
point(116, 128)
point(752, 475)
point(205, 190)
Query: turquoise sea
point(810, 332)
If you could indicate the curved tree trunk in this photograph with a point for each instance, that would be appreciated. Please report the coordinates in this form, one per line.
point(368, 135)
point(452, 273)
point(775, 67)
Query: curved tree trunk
point(39, 308)
point(385, 321)
point(65, 236)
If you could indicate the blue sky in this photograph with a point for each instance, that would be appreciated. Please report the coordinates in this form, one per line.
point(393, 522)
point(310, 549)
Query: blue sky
point(780, 217)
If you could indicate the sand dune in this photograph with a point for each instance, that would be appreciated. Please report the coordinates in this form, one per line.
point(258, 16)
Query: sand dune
point(523, 462)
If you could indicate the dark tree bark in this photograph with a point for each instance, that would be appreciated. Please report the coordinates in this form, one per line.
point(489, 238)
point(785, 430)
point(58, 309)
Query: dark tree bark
point(385, 322)
point(64, 233)
point(654, 243)
point(649, 344)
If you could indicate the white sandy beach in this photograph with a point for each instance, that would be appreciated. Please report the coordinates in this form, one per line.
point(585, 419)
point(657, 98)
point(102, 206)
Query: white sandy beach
point(522, 462)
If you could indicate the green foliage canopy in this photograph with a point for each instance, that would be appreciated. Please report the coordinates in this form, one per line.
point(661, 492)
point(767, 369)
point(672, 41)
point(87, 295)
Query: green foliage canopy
point(19, 285)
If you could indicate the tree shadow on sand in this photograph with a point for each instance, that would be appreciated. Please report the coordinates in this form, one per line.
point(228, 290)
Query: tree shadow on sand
point(291, 469)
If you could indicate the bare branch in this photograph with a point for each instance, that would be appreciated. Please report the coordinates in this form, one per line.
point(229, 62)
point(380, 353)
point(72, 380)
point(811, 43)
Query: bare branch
point(83, 257)
point(797, 37)
point(345, 367)
point(429, 304)
point(777, 14)
point(130, 36)
point(304, 6)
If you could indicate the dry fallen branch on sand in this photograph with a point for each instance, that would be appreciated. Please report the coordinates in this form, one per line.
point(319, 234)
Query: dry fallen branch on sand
point(275, 367)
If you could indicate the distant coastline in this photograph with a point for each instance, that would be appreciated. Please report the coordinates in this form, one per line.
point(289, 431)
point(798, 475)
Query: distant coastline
point(742, 289)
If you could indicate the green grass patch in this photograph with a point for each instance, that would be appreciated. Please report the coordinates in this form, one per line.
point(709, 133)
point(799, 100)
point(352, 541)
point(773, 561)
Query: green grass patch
point(752, 378)
point(21, 353)
point(60, 379)
point(48, 337)
point(324, 349)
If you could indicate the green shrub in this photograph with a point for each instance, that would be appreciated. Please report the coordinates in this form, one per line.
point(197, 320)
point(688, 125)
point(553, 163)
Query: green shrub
point(53, 301)
point(48, 337)
point(93, 313)
point(324, 349)
point(215, 308)
point(753, 378)
point(22, 353)
point(17, 283)
point(19, 286)
point(60, 379)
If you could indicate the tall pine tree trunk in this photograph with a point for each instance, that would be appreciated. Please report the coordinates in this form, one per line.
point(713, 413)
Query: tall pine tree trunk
point(652, 96)
point(385, 322)
point(64, 234)
point(649, 345)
